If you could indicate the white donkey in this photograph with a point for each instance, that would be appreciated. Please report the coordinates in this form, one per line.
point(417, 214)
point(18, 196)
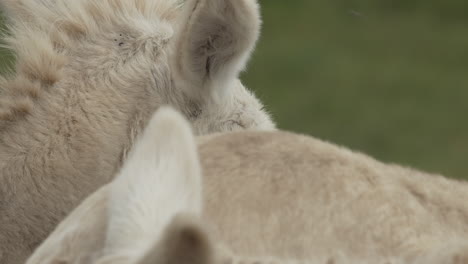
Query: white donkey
point(306, 202)
point(88, 76)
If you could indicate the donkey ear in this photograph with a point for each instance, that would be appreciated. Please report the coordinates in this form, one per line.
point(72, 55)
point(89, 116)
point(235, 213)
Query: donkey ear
point(160, 178)
point(215, 39)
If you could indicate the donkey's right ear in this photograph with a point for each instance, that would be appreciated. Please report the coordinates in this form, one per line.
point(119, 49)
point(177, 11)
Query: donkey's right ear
point(215, 39)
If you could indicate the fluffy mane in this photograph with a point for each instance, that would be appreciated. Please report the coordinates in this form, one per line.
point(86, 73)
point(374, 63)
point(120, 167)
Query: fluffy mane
point(44, 41)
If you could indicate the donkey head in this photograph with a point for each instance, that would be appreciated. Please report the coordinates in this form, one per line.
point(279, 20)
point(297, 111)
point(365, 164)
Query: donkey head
point(187, 54)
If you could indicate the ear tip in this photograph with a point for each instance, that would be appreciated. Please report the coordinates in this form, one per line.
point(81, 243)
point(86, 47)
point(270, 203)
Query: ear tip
point(170, 122)
point(167, 112)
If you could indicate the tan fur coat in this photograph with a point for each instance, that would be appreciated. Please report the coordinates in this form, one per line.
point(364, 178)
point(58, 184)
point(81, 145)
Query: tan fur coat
point(266, 196)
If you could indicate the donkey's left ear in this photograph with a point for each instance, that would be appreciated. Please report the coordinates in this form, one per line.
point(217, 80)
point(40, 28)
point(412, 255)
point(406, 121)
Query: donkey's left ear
point(215, 39)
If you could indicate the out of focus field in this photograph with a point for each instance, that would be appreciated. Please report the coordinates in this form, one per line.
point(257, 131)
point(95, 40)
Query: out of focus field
point(386, 77)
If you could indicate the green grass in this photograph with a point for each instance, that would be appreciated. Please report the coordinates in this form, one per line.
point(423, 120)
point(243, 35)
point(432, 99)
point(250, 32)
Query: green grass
point(389, 80)
point(386, 77)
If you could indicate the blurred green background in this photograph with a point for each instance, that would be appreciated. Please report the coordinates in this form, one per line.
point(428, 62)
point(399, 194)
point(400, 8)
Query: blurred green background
point(386, 77)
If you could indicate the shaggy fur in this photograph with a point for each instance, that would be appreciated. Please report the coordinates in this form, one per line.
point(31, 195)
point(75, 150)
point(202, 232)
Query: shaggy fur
point(290, 198)
point(158, 186)
point(88, 76)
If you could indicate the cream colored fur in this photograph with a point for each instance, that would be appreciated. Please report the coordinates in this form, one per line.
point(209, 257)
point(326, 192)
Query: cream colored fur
point(88, 76)
point(160, 180)
point(268, 197)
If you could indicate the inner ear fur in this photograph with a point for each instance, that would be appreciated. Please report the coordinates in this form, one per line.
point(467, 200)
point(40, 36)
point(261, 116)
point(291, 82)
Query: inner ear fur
point(217, 38)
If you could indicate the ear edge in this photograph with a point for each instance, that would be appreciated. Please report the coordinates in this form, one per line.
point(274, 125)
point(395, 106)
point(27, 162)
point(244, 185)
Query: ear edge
point(145, 194)
point(218, 39)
